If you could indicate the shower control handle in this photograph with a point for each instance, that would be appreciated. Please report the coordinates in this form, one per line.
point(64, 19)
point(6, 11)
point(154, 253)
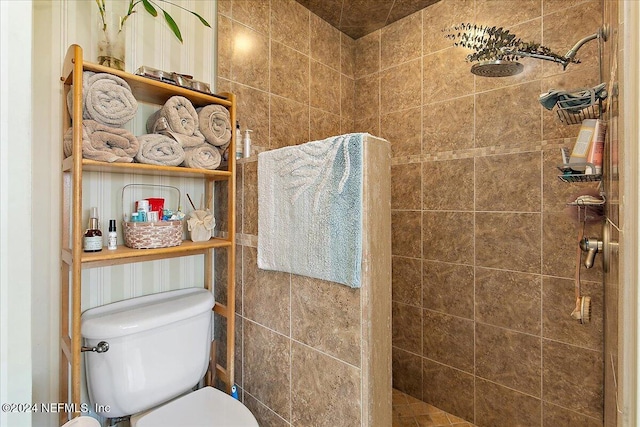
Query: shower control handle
point(591, 246)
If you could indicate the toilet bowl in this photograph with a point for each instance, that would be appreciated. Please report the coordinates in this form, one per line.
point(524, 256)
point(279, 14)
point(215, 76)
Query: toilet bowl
point(205, 407)
point(158, 351)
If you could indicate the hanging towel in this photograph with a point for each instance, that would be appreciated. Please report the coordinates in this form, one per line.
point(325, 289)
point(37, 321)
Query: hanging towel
point(310, 209)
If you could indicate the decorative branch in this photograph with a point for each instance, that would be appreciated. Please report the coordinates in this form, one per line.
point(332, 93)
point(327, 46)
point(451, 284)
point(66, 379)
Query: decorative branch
point(496, 43)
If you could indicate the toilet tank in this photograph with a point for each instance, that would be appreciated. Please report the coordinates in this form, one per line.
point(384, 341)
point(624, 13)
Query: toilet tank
point(158, 349)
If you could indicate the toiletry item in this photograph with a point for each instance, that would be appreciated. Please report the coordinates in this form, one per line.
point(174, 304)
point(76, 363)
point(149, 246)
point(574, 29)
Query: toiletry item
point(238, 144)
point(246, 143)
point(112, 237)
point(156, 204)
point(135, 217)
point(142, 205)
point(594, 156)
point(234, 392)
point(153, 216)
point(93, 235)
point(578, 158)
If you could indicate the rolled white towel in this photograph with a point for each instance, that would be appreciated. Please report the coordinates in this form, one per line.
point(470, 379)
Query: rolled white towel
point(156, 149)
point(103, 143)
point(205, 156)
point(178, 119)
point(215, 124)
point(106, 99)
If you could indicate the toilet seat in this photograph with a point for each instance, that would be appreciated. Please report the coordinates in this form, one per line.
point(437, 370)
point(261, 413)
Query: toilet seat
point(204, 407)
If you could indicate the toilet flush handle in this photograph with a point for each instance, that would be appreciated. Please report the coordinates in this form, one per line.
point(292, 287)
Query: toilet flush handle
point(102, 347)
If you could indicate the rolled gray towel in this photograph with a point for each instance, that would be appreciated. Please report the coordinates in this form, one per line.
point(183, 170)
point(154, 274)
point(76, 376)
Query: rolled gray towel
point(103, 143)
point(106, 99)
point(205, 156)
point(177, 118)
point(161, 150)
point(215, 124)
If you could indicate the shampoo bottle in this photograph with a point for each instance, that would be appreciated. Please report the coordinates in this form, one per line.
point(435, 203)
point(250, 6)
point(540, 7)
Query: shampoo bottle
point(246, 143)
point(93, 235)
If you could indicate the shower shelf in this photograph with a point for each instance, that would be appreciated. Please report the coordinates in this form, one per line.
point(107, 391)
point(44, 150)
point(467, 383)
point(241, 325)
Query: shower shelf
point(580, 177)
point(569, 116)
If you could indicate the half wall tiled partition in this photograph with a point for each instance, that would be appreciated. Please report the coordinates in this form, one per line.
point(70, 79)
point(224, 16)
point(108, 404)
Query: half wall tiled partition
point(308, 352)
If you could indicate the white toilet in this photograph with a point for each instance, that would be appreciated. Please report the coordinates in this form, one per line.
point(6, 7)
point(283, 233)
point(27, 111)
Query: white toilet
point(158, 351)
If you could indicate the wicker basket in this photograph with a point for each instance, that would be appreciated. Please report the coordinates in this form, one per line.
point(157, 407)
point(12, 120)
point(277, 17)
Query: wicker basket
point(151, 235)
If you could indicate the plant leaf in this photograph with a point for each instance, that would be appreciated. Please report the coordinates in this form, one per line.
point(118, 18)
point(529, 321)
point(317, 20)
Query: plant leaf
point(172, 24)
point(149, 8)
point(205, 23)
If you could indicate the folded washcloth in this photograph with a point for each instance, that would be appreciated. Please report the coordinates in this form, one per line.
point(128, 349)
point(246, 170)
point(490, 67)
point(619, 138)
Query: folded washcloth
point(156, 149)
point(204, 156)
point(106, 99)
point(574, 101)
point(178, 119)
point(103, 143)
point(215, 124)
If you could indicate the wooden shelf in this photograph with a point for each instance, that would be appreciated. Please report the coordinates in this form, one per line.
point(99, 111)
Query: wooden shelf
point(74, 260)
point(125, 255)
point(144, 169)
point(154, 91)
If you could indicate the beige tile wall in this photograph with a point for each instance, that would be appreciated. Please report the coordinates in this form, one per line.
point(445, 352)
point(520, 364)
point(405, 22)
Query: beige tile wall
point(483, 245)
point(303, 345)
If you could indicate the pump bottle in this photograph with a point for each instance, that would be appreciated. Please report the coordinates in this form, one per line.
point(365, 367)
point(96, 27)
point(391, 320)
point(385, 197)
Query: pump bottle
point(246, 142)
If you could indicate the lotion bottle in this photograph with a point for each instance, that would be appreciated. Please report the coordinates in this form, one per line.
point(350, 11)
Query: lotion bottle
point(246, 142)
point(93, 235)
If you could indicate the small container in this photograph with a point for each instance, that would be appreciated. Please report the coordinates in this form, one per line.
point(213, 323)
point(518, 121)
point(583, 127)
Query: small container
point(112, 237)
point(153, 216)
point(92, 241)
point(238, 141)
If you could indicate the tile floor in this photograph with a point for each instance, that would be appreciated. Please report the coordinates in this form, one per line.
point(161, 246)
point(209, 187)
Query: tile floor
point(411, 412)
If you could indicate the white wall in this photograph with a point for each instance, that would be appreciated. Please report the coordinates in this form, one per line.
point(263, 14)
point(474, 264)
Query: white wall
point(57, 24)
point(15, 208)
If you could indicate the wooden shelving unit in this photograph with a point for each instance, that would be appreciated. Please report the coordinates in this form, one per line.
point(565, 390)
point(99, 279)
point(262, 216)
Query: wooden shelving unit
point(74, 260)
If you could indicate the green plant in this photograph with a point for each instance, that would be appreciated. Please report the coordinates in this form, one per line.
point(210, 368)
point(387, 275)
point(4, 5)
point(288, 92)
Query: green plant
point(150, 6)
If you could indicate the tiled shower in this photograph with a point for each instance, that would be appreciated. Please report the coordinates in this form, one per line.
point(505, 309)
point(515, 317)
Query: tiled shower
point(483, 242)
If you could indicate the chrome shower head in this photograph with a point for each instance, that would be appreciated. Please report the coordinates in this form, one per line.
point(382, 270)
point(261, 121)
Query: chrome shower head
point(497, 68)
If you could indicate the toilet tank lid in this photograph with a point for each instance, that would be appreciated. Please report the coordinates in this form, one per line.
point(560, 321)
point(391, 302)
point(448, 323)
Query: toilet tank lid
point(143, 313)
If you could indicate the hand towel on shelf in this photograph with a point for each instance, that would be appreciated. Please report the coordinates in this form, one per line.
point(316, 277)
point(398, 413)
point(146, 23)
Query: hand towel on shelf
point(204, 156)
point(178, 119)
point(215, 124)
point(103, 143)
point(161, 150)
point(106, 98)
point(310, 209)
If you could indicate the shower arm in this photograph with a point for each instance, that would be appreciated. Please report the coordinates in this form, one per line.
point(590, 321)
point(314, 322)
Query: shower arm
point(568, 57)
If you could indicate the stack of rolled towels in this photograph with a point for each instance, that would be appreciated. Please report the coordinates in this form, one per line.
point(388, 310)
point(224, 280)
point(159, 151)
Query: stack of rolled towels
point(178, 134)
point(107, 105)
point(181, 135)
